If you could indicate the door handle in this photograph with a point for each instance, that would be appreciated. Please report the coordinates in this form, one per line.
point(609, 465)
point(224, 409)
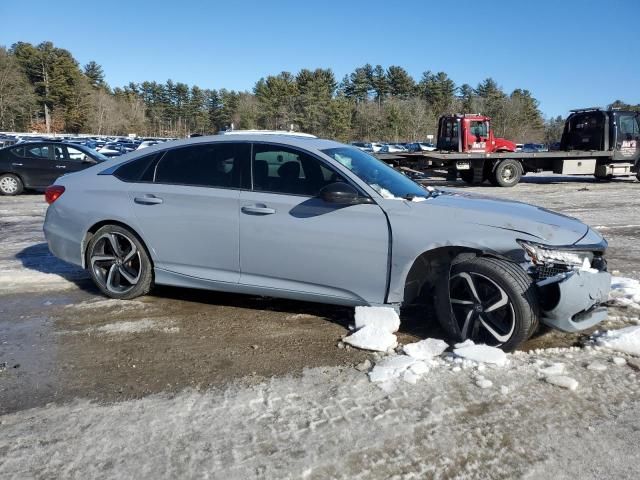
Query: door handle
point(61, 166)
point(258, 210)
point(148, 200)
point(17, 164)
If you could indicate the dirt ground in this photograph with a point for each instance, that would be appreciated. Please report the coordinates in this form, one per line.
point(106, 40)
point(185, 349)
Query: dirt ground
point(61, 340)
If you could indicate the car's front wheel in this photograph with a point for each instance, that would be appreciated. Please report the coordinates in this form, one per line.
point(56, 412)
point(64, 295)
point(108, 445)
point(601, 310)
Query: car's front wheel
point(490, 301)
point(10, 184)
point(118, 263)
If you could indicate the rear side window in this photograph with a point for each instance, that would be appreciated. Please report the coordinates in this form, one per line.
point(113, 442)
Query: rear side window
point(37, 151)
point(211, 165)
point(18, 151)
point(139, 170)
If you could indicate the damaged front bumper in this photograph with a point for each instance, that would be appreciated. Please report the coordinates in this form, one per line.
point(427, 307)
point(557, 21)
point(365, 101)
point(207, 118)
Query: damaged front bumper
point(574, 301)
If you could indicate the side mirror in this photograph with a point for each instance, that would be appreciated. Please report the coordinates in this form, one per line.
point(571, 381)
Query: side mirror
point(342, 194)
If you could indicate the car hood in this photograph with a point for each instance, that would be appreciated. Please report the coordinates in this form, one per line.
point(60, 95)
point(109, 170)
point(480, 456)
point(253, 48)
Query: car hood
point(521, 218)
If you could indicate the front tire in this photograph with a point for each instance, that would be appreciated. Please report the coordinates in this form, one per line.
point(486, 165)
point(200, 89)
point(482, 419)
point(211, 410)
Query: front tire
point(10, 184)
point(490, 301)
point(119, 264)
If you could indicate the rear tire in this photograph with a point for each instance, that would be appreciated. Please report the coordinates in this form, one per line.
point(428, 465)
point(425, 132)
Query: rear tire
point(10, 184)
point(119, 263)
point(507, 173)
point(489, 301)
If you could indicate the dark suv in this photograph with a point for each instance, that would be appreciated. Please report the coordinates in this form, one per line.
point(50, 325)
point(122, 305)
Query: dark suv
point(36, 165)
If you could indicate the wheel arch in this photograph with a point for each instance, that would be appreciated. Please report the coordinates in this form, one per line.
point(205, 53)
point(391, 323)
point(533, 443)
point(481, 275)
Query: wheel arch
point(432, 268)
point(97, 226)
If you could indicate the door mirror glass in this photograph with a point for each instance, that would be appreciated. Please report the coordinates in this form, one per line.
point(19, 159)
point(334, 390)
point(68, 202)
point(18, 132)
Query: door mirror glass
point(342, 194)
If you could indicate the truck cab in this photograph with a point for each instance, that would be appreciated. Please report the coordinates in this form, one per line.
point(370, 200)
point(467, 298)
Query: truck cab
point(593, 129)
point(470, 133)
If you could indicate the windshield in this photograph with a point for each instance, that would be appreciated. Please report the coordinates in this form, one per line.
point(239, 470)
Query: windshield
point(389, 183)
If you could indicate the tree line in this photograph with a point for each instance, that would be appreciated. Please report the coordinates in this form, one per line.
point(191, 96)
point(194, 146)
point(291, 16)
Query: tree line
point(43, 88)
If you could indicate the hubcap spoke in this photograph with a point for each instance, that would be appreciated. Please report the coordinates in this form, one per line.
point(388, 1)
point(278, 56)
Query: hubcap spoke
point(131, 253)
point(113, 272)
point(471, 285)
point(467, 321)
point(114, 244)
point(500, 303)
point(127, 276)
point(493, 332)
point(461, 302)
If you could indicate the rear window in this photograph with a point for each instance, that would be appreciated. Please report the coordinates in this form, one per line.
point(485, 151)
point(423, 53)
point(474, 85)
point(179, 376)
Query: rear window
point(139, 170)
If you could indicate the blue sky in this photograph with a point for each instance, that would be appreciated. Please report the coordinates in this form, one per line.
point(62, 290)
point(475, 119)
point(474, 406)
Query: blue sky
point(568, 53)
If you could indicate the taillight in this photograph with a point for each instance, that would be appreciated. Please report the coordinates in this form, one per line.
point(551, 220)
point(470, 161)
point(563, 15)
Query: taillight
point(52, 193)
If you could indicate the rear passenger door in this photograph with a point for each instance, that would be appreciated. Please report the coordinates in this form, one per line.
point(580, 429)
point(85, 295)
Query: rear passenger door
point(296, 245)
point(187, 209)
point(38, 165)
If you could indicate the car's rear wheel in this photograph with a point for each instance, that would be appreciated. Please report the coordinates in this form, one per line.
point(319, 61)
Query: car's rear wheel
point(491, 301)
point(10, 184)
point(119, 264)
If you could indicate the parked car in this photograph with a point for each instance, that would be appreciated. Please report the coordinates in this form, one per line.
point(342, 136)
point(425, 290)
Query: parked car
point(421, 147)
point(392, 148)
point(534, 147)
point(147, 143)
point(36, 165)
point(313, 220)
point(365, 147)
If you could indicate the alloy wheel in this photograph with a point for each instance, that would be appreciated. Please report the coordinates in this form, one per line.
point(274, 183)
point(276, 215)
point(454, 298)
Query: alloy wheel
point(482, 309)
point(115, 261)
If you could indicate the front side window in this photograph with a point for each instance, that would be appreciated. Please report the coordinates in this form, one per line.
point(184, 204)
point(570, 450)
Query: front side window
point(278, 169)
point(389, 183)
point(210, 165)
point(76, 155)
point(629, 127)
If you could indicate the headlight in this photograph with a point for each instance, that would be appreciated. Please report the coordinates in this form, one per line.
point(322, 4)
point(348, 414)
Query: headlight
point(543, 255)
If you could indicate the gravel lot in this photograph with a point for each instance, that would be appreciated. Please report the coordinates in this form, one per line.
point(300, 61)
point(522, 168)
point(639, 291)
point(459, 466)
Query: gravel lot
point(255, 387)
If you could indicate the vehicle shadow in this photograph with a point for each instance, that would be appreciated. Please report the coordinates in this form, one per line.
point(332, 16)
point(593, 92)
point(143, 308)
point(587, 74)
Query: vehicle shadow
point(414, 321)
point(38, 258)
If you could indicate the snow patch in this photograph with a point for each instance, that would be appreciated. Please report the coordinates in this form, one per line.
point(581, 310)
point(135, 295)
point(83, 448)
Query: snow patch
point(625, 292)
point(391, 368)
point(371, 337)
point(481, 353)
point(426, 349)
point(374, 329)
point(384, 318)
point(562, 381)
point(625, 340)
point(136, 326)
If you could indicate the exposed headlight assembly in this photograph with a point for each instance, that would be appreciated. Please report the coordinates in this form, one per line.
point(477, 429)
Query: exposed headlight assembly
point(544, 255)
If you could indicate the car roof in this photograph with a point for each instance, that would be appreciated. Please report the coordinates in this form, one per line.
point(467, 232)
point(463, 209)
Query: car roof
point(309, 143)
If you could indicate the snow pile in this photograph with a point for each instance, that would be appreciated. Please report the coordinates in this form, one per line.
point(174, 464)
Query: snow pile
point(426, 349)
point(123, 328)
point(625, 340)
point(480, 353)
point(625, 292)
point(397, 366)
point(384, 318)
point(371, 337)
point(375, 328)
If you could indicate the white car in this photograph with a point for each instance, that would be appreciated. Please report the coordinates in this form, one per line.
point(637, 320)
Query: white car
point(147, 143)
